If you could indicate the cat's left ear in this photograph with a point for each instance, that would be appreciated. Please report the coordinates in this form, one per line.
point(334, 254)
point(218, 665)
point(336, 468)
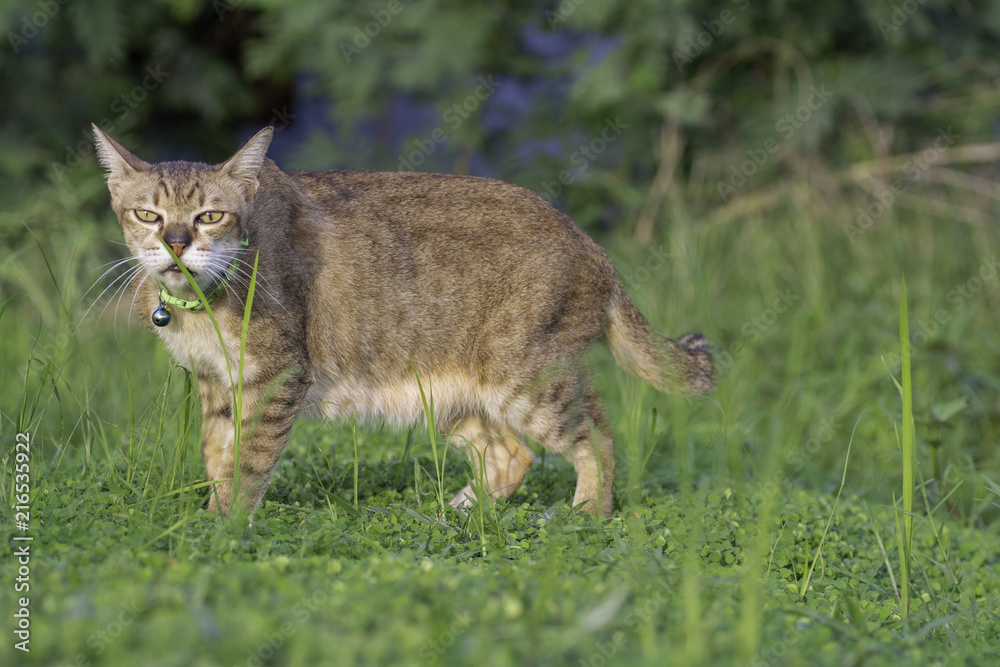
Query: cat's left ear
point(248, 161)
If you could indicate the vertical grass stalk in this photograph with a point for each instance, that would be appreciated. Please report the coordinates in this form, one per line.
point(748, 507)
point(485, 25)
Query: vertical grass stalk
point(354, 438)
point(235, 384)
point(908, 445)
point(238, 394)
point(427, 399)
point(829, 521)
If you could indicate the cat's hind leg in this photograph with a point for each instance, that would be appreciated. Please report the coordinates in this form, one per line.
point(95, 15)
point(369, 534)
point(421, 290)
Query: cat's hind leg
point(566, 418)
point(499, 459)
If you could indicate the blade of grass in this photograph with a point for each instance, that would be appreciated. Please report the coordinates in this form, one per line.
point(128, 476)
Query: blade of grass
point(354, 439)
point(45, 258)
point(908, 445)
point(238, 399)
point(881, 546)
point(934, 527)
point(236, 385)
point(833, 511)
point(429, 415)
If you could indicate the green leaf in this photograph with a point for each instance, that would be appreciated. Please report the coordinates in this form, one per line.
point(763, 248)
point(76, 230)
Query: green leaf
point(691, 107)
point(942, 412)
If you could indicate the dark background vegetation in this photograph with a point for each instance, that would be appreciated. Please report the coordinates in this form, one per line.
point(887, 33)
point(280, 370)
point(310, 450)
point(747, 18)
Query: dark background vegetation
point(706, 80)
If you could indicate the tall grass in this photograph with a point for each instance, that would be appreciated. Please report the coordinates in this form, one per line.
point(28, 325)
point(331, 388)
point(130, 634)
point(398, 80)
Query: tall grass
point(430, 417)
point(907, 444)
point(818, 358)
point(804, 588)
point(116, 413)
point(235, 383)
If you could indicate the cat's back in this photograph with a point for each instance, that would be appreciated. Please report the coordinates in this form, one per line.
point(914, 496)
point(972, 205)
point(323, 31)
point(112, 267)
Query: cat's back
point(460, 211)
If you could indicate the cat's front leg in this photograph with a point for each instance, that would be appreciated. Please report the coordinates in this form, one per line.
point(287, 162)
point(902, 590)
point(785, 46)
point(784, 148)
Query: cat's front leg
point(217, 434)
point(270, 406)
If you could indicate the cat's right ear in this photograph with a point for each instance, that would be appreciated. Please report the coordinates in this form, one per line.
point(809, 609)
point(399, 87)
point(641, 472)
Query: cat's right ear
point(120, 164)
point(246, 164)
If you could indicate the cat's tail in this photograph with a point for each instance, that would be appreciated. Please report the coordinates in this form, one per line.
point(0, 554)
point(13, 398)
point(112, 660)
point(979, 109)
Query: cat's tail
point(674, 366)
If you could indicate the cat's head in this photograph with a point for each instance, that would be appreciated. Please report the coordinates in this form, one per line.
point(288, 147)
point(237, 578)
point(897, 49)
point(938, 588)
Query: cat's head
point(200, 210)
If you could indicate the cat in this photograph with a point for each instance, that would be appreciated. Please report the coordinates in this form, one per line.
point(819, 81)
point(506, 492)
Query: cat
point(367, 281)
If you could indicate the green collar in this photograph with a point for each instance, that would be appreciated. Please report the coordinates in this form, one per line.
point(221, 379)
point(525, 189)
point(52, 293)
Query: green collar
point(166, 298)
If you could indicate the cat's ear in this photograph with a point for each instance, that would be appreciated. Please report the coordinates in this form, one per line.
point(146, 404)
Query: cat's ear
point(120, 164)
point(248, 161)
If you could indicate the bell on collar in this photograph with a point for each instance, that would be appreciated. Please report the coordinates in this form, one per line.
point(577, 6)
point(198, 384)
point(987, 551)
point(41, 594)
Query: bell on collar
point(161, 316)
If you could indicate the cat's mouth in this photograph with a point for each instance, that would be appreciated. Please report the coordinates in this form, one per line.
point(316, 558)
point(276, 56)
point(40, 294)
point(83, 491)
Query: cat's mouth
point(174, 279)
point(174, 269)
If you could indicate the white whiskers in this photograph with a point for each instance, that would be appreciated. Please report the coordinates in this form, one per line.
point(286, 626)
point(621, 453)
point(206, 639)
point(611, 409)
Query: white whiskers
point(243, 274)
point(122, 281)
point(136, 272)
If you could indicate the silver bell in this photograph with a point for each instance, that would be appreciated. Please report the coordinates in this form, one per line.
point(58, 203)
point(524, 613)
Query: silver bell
point(161, 316)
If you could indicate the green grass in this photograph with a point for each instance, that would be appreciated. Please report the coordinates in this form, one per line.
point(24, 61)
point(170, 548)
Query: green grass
point(740, 534)
point(907, 446)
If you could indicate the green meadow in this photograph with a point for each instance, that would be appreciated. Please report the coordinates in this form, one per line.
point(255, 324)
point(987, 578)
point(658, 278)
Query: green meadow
point(792, 518)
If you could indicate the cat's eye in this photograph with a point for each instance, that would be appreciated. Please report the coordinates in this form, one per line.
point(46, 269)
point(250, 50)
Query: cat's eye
point(147, 216)
point(210, 216)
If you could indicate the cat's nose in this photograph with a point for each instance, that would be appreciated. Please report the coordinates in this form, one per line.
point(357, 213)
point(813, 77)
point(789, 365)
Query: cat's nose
point(178, 241)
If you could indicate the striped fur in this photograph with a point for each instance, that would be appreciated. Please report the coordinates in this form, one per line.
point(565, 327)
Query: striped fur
point(492, 295)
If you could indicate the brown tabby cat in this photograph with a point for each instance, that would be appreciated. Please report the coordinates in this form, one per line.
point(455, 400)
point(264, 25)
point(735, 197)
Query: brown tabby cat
point(490, 293)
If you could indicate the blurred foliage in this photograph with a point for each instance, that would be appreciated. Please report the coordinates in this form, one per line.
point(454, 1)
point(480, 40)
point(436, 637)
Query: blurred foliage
point(366, 84)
